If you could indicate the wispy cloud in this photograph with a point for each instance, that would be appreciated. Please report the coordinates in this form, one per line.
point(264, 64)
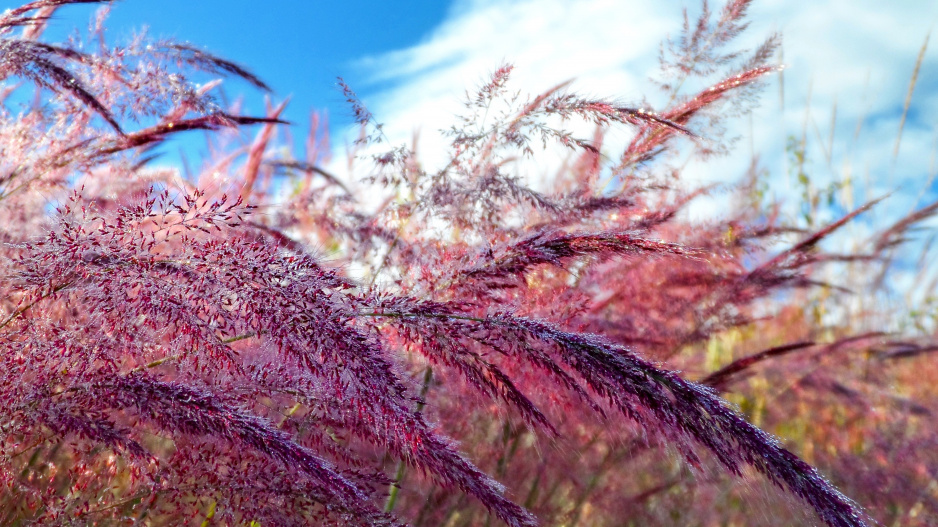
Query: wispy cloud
point(848, 65)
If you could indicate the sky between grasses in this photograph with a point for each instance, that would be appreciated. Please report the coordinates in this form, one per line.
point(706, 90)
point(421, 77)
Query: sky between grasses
point(844, 88)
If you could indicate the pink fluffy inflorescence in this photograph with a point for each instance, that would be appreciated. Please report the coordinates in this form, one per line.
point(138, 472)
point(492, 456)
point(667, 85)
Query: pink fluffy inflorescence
point(168, 352)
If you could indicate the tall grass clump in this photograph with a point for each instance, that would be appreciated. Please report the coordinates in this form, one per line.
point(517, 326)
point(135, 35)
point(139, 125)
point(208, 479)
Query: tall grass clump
point(177, 350)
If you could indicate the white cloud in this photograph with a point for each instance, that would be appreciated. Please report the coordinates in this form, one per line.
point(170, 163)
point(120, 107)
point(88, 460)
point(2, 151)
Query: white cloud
point(609, 50)
point(853, 55)
point(857, 54)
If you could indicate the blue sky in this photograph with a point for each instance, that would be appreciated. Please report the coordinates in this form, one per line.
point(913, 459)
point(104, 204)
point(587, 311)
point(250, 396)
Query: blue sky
point(847, 69)
point(297, 47)
point(411, 62)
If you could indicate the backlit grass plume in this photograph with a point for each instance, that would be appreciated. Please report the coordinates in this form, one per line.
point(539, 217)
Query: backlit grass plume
point(178, 350)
